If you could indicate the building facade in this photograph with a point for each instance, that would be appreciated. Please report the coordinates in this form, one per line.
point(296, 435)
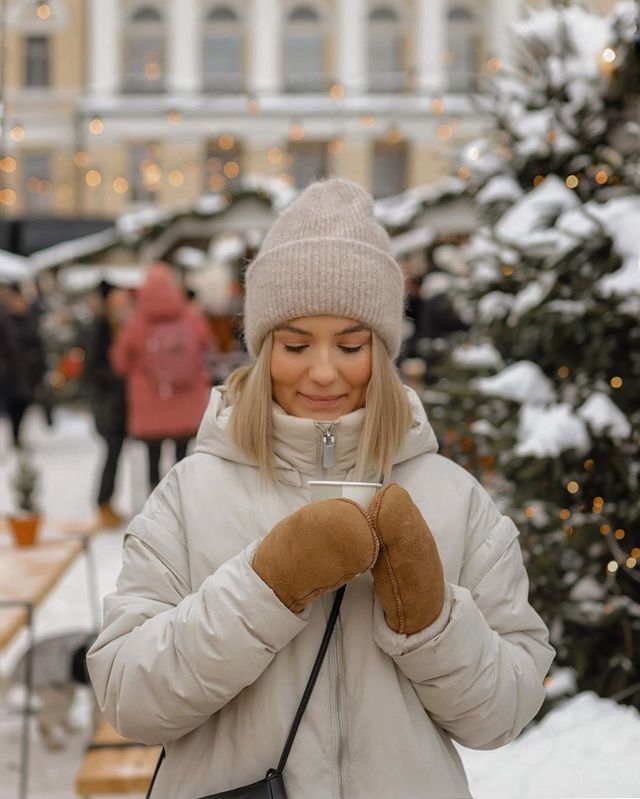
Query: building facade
point(110, 104)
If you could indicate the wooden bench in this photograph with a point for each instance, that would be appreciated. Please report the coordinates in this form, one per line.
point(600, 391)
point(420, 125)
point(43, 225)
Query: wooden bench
point(115, 765)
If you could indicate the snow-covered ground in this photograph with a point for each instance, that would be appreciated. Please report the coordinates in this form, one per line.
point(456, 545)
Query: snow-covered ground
point(587, 747)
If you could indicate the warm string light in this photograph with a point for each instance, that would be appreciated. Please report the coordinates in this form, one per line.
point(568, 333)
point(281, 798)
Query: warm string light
point(8, 164)
point(17, 134)
point(296, 132)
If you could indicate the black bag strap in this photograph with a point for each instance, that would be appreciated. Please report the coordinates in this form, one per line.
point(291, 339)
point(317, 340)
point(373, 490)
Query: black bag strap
point(315, 671)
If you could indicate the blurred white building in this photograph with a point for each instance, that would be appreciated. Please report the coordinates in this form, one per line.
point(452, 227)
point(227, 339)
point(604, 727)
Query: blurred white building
point(113, 103)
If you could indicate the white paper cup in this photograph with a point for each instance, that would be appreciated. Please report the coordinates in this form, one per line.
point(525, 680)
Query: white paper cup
point(336, 489)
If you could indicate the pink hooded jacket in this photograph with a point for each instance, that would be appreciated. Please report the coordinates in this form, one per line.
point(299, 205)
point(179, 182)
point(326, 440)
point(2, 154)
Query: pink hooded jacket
point(150, 414)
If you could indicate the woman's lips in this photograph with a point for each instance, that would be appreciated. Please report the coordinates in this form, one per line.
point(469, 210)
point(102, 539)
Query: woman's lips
point(321, 402)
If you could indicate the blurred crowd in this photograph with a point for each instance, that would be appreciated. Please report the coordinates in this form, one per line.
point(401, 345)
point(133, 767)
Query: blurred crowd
point(146, 370)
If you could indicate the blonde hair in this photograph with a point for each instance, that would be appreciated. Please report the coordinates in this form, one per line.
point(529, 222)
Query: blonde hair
point(386, 423)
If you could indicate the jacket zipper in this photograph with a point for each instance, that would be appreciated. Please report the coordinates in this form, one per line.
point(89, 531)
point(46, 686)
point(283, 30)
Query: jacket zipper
point(328, 453)
point(328, 441)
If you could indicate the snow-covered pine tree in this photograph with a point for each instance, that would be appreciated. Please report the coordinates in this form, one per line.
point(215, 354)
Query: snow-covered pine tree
point(544, 389)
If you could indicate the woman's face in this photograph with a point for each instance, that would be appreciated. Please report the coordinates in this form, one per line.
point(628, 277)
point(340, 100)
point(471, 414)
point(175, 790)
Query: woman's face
point(320, 366)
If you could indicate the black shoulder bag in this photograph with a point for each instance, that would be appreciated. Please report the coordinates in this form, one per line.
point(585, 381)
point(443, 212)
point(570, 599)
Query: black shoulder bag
point(272, 786)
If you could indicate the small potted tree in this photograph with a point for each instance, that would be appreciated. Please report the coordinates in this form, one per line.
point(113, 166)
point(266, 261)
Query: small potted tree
point(24, 524)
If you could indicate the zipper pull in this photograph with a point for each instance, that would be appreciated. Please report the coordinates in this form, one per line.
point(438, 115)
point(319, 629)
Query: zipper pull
point(328, 449)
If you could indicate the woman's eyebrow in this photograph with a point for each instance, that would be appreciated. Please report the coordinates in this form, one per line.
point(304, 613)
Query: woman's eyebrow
point(292, 329)
point(352, 329)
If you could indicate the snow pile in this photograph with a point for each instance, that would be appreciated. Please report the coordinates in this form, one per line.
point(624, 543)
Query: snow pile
point(529, 224)
point(480, 356)
point(621, 216)
point(523, 381)
point(500, 188)
point(585, 748)
point(531, 296)
point(546, 432)
point(604, 417)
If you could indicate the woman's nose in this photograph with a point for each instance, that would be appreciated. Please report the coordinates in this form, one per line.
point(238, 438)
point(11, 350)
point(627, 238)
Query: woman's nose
point(323, 370)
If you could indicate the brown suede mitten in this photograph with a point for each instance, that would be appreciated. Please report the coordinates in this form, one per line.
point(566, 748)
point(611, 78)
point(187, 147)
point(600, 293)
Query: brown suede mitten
point(317, 549)
point(407, 577)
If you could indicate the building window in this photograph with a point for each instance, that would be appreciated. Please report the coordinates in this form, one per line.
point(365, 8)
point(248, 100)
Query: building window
point(144, 54)
point(223, 164)
point(309, 162)
point(222, 51)
point(463, 46)
point(389, 169)
point(145, 171)
point(36, 61)
point(304, 51)
point(36, 172)
point(386, 49)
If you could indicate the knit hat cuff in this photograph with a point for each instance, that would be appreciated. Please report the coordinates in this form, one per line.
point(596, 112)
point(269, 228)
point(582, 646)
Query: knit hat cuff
point(324, 276)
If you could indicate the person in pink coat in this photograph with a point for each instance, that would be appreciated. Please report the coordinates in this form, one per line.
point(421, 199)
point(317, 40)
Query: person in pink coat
point(161, 353)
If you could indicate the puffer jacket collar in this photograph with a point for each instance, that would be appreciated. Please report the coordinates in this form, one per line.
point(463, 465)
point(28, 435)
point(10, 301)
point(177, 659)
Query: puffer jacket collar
point(297, 440)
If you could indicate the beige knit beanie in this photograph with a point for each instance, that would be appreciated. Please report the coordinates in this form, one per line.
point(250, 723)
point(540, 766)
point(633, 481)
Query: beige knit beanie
point(325, 255)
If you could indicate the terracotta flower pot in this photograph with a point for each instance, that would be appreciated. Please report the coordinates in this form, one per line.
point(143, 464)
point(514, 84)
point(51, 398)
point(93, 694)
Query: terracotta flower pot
point(25, 528)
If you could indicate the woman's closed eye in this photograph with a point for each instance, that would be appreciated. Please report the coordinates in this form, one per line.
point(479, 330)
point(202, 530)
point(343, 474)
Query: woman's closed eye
point(295, 347)
point(301, 347)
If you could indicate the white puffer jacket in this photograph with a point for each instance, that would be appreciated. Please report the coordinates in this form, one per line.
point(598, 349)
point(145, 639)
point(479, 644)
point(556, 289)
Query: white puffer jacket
point(199, 654)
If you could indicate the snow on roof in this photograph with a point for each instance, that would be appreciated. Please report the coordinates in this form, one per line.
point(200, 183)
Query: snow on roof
point(522, 381)
point(412, 240)
point(547, 432)
point(228, 248)
point(604, 417)
point(190, 257)
point(210, 204)
point(280, 191)
point(132, 224)
point(69, 251)
point(80, 279)
point(401, 209)
point(13, 267)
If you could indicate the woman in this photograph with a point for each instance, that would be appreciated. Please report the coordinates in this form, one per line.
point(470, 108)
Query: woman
point(228, 572)
point(161, 352)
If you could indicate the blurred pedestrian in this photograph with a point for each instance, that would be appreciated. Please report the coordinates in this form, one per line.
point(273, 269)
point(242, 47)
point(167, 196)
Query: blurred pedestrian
point(106, 392)
point(28, 366)
point(7, 358)
point(161, 353)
